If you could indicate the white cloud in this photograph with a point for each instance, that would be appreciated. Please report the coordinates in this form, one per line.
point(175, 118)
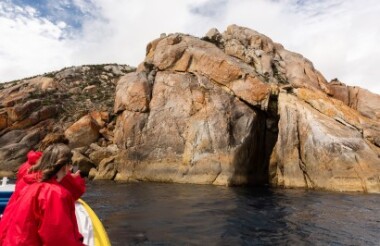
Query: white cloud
point(126, 28)
point(339, 36)
point(29, 45)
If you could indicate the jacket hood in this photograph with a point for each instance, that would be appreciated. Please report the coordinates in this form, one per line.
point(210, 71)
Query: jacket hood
point(33, 157)
point(31, 178)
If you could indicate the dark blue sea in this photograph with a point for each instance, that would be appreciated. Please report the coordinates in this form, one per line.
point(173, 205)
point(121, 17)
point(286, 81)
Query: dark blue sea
point(184, 214)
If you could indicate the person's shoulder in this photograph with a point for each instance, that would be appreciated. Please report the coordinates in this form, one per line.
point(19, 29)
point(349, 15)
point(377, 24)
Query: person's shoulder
point(53, 189)
point(51, 194)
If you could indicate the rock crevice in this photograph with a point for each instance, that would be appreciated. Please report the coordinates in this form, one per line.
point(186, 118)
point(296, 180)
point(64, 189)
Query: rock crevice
point(236, 108)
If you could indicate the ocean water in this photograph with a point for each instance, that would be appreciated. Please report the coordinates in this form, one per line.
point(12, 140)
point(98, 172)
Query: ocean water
point(185, 214)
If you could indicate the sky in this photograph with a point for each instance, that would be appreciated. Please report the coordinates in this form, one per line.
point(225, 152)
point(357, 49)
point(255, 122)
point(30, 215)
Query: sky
point(340, 37)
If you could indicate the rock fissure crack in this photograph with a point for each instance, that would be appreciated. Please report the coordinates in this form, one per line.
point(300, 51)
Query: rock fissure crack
point(340, 120)
point(216, 176)
point(302, 164)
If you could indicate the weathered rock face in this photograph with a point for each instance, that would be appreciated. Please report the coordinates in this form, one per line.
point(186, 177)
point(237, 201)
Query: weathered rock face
point(237, 108)
point(320, 145)
point(365, 102)
point(193, 132)
point(228, 109)
point(32, 108)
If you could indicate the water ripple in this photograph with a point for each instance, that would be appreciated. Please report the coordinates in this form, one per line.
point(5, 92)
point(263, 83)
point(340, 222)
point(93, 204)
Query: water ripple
point(176, 214)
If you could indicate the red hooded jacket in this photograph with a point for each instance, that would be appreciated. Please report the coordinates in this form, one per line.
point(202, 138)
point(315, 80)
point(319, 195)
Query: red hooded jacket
point(32, 158)
point(75, 185)
point(43, 214)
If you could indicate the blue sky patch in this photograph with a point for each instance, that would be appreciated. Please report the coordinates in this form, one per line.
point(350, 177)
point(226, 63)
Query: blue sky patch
point(61, 11)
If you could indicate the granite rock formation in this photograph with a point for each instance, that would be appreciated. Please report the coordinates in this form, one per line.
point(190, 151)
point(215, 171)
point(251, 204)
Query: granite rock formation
point(236, 108)
point(34, 109)
point(230, 108)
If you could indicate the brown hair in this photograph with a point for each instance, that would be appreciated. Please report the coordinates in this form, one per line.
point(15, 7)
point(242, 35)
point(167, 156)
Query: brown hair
point(53, 159)
point(52, 138)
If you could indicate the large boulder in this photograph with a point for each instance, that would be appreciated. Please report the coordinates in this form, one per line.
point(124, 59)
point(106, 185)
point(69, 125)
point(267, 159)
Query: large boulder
point(83, 163)
point(106, 170)
point(237, 108)
point(322, 146)
point(83, 132)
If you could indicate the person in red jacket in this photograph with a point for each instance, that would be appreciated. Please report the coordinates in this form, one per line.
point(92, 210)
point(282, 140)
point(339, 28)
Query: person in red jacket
point(73, 183)
point(44, 212)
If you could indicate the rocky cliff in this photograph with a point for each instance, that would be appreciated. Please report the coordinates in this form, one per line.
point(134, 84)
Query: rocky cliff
point(36, 110)
point(230, 108)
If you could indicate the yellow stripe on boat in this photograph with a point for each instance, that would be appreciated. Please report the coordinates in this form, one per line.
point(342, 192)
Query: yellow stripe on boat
point(100, 234)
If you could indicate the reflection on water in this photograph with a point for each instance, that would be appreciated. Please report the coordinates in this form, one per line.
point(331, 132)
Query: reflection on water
point(179, 214)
